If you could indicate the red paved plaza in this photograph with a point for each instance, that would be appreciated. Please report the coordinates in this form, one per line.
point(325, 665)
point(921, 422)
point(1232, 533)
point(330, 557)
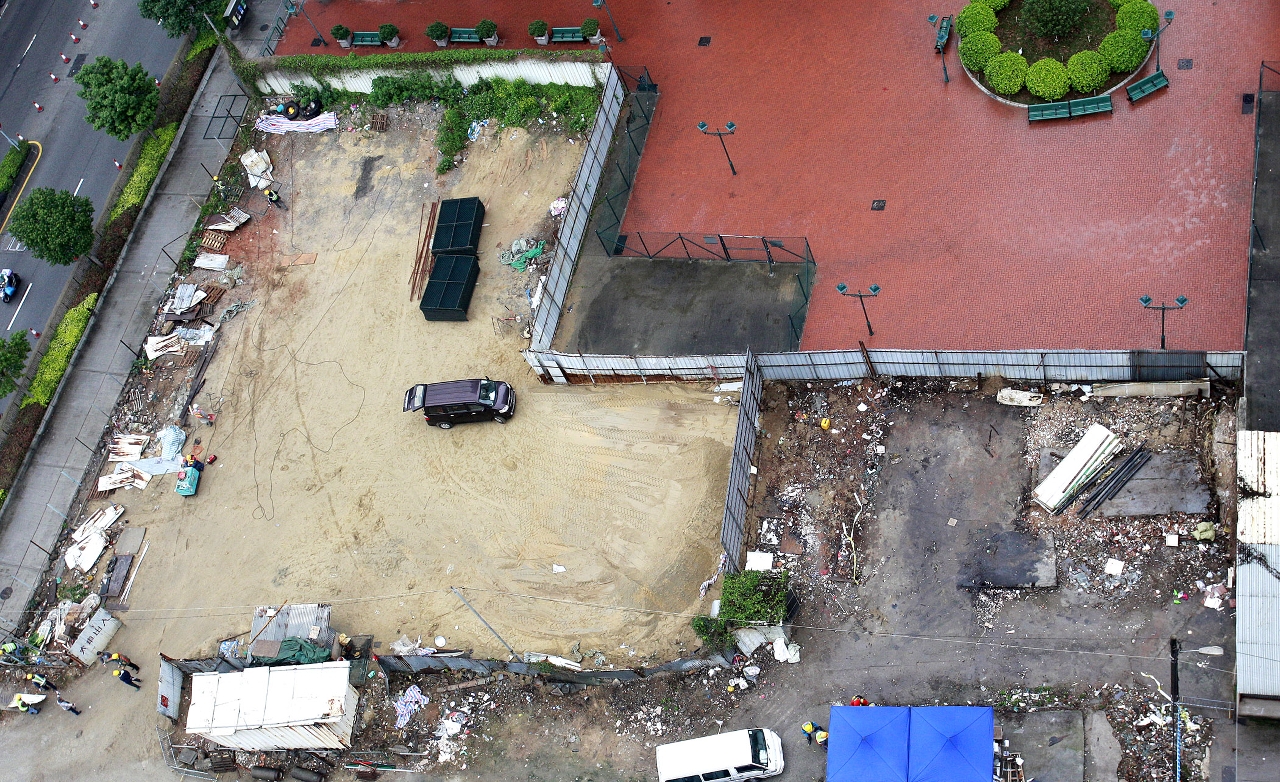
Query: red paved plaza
point(997, 234)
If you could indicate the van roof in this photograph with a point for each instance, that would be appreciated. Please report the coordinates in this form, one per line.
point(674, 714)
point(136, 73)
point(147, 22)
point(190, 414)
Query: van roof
point(453, 392)
point(695, 756)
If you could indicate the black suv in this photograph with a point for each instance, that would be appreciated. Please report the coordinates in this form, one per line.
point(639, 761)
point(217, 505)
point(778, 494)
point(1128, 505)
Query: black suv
point(462, 401)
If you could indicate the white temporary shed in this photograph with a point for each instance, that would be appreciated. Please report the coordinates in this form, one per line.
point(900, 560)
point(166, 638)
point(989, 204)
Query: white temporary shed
point(281, 707)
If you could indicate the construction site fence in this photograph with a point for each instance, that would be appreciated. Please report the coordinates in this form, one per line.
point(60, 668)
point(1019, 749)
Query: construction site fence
point(733, 528)
point(1036, 366)
point(578, 214)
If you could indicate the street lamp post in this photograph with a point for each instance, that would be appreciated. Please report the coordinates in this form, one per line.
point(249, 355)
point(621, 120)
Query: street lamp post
point(940, 42)
point(1178, 304)
point(12, 143)
point(603, 3)
point(862, 299)
point(729, 128)
point(1148, 35)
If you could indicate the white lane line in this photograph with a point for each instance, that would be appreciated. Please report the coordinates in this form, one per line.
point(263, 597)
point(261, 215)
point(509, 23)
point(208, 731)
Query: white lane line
point(19, 309)
point(77, 192)
point(24, 52)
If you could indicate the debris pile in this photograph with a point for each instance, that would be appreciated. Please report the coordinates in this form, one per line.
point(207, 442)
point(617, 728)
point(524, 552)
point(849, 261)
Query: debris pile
point(1143, 724)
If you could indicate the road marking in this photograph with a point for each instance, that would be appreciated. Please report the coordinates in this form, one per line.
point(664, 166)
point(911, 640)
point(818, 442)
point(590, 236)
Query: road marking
point(19, 309)
point(39, 153)
point(24, 52)
point(77, 192)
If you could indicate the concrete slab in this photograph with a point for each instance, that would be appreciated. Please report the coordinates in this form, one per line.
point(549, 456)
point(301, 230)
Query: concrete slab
point(1002, 557)
point(1102, 751)
point(1051, 743)
point(130, 540)
point(1169, 483)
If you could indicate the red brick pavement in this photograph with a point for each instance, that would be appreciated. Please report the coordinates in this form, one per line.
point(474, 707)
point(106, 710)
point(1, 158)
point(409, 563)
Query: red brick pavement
point(998, 234)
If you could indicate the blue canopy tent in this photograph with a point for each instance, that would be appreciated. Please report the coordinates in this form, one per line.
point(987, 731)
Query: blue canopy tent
point(910, 744)
point(868, 744)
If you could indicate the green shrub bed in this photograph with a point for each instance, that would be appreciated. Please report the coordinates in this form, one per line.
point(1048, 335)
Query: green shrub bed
point(54, 363)
point(144, 173)
point(11, 165)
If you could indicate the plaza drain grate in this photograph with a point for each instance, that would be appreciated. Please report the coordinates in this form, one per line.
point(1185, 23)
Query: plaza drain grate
point(1184, 64)
point(1246, 103)
point(878, 205)
point(704, 40)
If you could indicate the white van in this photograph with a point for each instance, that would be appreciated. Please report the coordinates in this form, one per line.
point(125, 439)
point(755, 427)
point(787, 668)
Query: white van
point(742, 754)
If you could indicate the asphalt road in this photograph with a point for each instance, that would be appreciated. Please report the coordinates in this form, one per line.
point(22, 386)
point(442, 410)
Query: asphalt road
point(75, 156)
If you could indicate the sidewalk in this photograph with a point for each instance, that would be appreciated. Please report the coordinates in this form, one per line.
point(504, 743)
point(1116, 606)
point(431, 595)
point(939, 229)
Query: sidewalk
point(42, 498)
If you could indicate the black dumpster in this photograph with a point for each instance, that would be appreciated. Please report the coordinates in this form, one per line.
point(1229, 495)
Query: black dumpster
point(449, 288)
point(458, 227)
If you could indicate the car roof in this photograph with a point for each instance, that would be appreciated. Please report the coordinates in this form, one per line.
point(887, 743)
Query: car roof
point(453, 392)
point(724, 750)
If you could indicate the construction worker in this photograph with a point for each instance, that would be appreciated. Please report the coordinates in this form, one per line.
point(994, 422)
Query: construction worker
point(858, 700)
point(810, 730)
point(122, 661)
point(66, 704)
point(820, 736)
point(25, 707)
point(38, 680)
point(126, 677)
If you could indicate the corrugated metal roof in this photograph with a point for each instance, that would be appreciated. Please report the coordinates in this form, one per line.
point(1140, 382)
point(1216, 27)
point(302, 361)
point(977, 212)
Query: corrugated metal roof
point(290, 621)
point(1258, 624)
point(285, 707)
point(1259, 476)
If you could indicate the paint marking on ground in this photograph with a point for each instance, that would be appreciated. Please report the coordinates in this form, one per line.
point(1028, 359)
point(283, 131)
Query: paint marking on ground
point(19, 309)
point(77, 192)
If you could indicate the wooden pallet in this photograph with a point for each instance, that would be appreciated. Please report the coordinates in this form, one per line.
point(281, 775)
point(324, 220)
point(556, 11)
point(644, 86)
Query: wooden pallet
point(378, 122)
point(213, 240)
point(212, 293)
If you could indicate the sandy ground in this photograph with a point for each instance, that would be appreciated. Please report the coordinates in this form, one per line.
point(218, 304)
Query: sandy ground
point(325, 491)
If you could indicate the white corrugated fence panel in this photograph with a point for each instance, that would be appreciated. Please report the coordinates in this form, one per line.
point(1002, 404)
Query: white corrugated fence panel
point(534, 71)
point(169, 689)
point(1258, 626)
point(1258, 471)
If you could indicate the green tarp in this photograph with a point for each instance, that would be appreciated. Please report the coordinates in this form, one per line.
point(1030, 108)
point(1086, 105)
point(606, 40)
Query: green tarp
point(295, 651)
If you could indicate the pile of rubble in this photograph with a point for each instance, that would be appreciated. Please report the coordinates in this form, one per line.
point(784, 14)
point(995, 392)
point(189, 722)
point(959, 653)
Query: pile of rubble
point(1143, 724)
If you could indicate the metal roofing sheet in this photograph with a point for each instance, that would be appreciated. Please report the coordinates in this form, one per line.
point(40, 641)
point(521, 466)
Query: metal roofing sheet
point(1259, 476)
point(291, 621)
point(1258, 623)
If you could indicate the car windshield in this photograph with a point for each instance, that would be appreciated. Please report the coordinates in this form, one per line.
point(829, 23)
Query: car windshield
point(488, 390)
point(759, 754)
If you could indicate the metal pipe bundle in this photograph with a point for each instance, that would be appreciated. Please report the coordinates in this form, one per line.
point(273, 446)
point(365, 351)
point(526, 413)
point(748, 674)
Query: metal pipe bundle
point(1116, 480)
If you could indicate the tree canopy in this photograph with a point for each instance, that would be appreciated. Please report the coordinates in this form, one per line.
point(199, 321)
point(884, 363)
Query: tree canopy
point(13, 359)
point(56, 225)
point(120, 100)
point(179, 16)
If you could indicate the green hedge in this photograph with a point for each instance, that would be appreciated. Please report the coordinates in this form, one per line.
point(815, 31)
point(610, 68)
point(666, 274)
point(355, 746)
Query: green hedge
point(1118, 4)
point(1048, 79)
point(975, 18)
point(11, 165)
point(1006, 73)
point(977, 49)
point(54, 364)
point(144, 173)
point(1124, 50)
point(995, 5)
point(1087, 71)
point(1138, 15)
point(207, 39)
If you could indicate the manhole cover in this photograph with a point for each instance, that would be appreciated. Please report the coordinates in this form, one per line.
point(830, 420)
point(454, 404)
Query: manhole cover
point(878, 205)
point(6, 593)
point(704, 40)
point(1184, 64)
point(264, 28)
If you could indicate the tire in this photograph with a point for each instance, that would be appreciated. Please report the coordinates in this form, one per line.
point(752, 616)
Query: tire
point(498, 419)
point(445, 425)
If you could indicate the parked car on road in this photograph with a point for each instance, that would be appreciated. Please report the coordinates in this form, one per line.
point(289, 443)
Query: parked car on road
point(462, 401)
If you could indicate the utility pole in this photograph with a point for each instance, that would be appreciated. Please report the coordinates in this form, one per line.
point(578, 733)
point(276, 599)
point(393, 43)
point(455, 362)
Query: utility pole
point(1177, 710)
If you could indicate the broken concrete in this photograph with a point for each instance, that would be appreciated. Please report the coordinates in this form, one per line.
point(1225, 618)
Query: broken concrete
point(1102, 751)
point(1051, 743)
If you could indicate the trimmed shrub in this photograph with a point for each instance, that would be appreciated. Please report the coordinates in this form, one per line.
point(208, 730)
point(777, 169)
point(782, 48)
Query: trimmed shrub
point(1087, 70)
point(1006, 73)
point(387, 32)
point(1048, 79)
point(1138, 15)
point(54, 363)
point(1053, 18)
point(975, 18)
point(995, 5)
point(144, 173)
point(486, 28)
point(1124, 50)
point(1118, 4)
point(589, 27)
point(537, 28)
point(11, 165)
point(438, 31)
point(977, 49)
point(340, 32)
point(207, 39)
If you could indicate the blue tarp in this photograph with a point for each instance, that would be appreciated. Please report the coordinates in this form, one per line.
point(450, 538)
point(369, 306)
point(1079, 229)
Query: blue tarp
point(868, 744)
point(910, 744)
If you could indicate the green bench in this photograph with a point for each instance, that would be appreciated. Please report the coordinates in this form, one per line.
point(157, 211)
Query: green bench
point(1066, 109)
point(944, 32)
point(463, 35)
point(1096, 105)
point(1038, 111)
point(366, 39)
point(1144, 87)
point(566, 35)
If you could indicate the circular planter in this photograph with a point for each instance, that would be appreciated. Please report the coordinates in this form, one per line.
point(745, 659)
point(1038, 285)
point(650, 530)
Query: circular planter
point(977, 80)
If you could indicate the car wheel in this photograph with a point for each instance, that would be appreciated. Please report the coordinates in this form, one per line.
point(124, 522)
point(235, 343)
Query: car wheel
point(445, 425)
point(499, 419)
